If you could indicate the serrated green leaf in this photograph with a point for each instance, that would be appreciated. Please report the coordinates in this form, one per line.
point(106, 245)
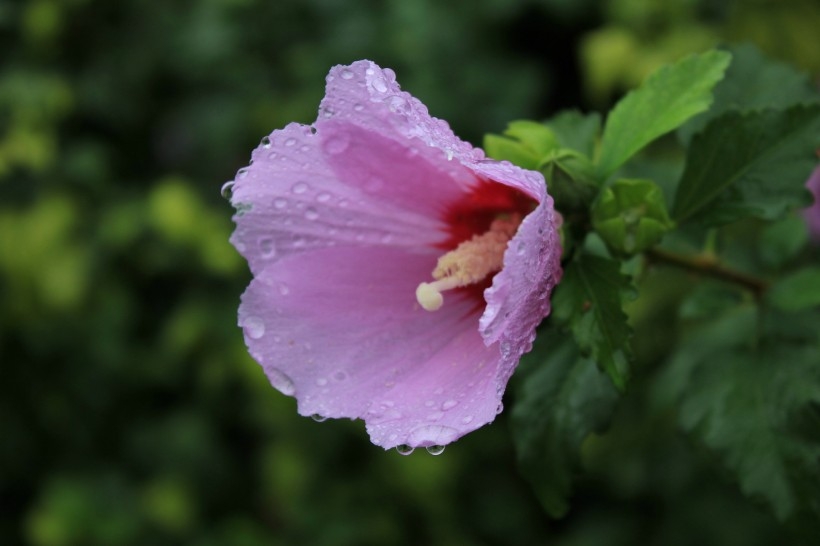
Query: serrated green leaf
point(753, 164)
point(589, 300)
point(753, 81)
point(662, 103)
point(576, 131)
point(749, 406)
point(800, 290)
point(561, 399)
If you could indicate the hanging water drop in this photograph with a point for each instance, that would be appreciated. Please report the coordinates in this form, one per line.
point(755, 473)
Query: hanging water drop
point(265, 143)
point(227, 189)
point(254, 327)
point(404, 449)
point(435, 450)
point(318, 418)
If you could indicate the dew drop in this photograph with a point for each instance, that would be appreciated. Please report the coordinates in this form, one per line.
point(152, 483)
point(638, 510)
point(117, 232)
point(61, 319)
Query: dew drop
point(318, 418)
point(290, 142)
point(499, 408)
point(347, 74)
point(336, 144)
point(435, 450)
point(467, 419)
point(267, 248)
point(265, 143)
point(404, 449)
point(321, 382)
point(242, 173)
point(340, 376)
point(227, 189)
point(254, 327)
point(300, 187)
point(311, 213)
point(323, 197)
point(449, 404)
point(280, 381)
point(280, 202)
point(358, 107)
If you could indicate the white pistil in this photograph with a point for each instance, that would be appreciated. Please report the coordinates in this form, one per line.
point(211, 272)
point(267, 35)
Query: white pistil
point(469, 263)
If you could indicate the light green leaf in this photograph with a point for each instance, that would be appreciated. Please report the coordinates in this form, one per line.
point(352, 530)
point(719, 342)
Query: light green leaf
point(503, 148)
point(561, 399)
point(663, 102)
point(576, 131)
point(589, 300)
point(753, 81)
point(753, 164)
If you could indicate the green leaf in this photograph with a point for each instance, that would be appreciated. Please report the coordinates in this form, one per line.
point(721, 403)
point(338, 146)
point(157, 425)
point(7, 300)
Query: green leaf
point(533, 135)
point(589, 300)
point(502, 148)
point(663, 102)
point(753, 81)
point(749, 406)
point(576, 131)
point(561, 399)
point(753, 164)
point(798, 291)
point(783, 240)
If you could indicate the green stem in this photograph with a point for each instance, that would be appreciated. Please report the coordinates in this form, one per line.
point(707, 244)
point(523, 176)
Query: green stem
point(708, 266)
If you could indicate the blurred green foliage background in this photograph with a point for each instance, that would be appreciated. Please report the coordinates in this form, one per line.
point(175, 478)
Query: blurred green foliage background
point(130, 412)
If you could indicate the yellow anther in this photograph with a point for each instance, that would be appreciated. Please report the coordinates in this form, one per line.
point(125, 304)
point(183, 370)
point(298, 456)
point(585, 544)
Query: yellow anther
point(471, 262)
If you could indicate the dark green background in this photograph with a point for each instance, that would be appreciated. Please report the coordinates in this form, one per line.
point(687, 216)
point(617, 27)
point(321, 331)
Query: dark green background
point(130, 412)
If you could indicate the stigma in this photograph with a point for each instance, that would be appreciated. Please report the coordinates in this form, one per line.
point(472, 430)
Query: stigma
point(469, 263)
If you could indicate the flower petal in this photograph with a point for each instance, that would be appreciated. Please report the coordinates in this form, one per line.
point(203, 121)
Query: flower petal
point(339, 328)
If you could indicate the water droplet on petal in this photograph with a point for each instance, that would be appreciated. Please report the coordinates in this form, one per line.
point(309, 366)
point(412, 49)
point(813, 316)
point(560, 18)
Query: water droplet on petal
point(254, 327)
point(300, 187)
point(321, 381)
point(227, 189)
point(435, 450)
point(265, 143)
point(318, 418)
point(340, 376)
point(280, 381)
point(242, 173)
point(404, 449)
point(499, 408)
point(347, 74)
point(290, 142)
point(467, 419)
point(358, 107)
point(284, 289)
point(323, 197)
point(267, 248)
point(435, 416)
point(449, 404)
point(311, 213)
point(280, 202)
point(336, 144)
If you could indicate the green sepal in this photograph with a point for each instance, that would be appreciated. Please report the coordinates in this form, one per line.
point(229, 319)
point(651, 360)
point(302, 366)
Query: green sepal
point(570, 179)
point(631, 215)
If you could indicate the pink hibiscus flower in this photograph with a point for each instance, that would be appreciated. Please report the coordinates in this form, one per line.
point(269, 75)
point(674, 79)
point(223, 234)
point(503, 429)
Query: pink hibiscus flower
point(399, 275)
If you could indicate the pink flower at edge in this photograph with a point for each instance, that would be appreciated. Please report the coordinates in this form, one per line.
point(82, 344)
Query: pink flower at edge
point(812, 213)
point(342, 220)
